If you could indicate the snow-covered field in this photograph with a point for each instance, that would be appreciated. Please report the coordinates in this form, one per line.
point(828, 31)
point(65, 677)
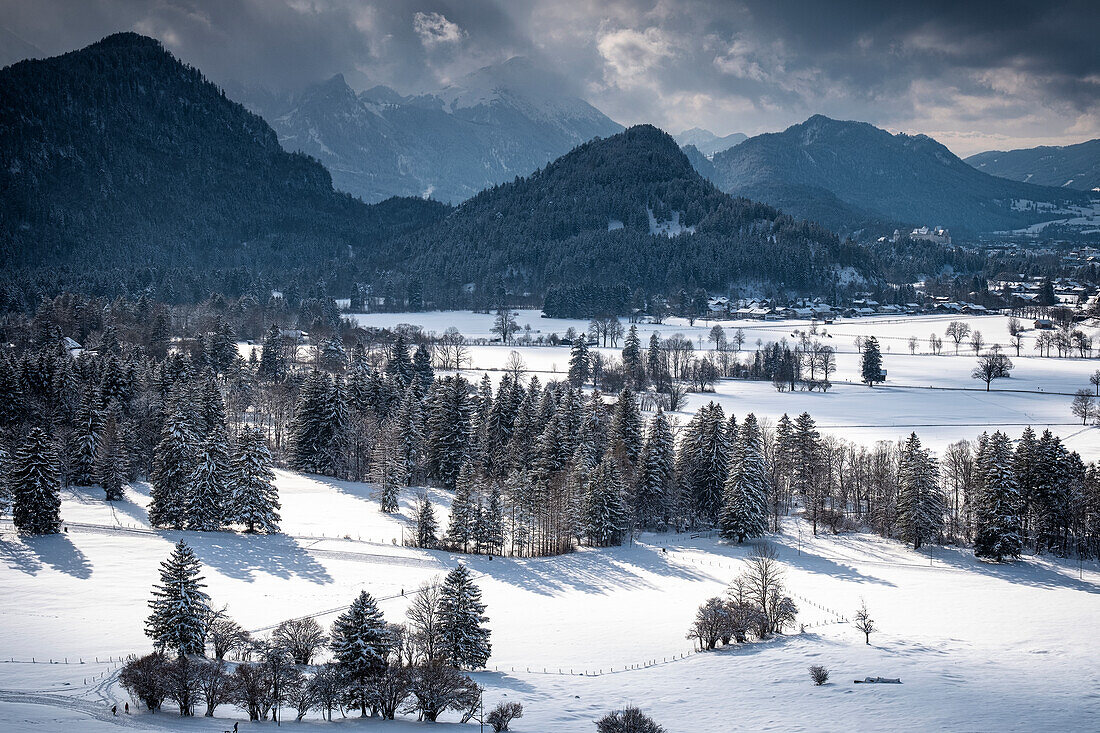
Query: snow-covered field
point(933, 395)
point(977, 646)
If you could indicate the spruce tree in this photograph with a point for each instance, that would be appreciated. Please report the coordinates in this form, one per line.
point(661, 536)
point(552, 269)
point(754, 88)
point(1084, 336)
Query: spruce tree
point(579, 362)
point(113, 465)
point(389, 468)
point(745, 497)
point(493, 517)
point(449, 430)
point(180, 607)
point(35, 485)
point(998, 534)
point(920, 501)
point(460, 529)
point(605, 517)
point(423, 374)
point(86, 438)
point(255, 498)
point(427, 528)
point(210, 503)
point(464, 639)
point(626, 427)
point(173, 468)
point(400, 366)
point(361, 641)
point(272, 365)
point(653, 485)
point(655, 361)
point(632, 358)
point(871, 365)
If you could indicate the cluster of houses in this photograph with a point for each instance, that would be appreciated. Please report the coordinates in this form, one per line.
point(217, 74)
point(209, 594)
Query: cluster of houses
point(1068, 292)
point(938, 235)
point(763, 309)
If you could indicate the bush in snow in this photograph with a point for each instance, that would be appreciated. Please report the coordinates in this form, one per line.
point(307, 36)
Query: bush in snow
point(147, 679)
point(628, 720)
point(503, 714)
point(819, 674)
point(300, 639)
point(437, 687)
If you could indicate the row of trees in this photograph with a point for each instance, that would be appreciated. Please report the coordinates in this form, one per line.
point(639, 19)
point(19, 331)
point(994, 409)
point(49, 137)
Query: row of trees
point(376, 667)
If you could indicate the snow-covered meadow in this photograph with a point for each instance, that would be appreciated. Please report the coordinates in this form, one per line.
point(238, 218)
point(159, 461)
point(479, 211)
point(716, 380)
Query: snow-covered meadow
point(977, 646)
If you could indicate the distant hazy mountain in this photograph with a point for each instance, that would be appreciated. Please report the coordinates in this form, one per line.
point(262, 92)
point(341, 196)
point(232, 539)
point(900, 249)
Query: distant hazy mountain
point(1070, 166)
point(706, 142)
point(500, 122)
point(118, 154)
point(850, 175)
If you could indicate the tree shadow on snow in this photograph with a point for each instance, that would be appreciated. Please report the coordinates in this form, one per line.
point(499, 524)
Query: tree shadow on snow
point(588, 571)
point(244, 556)
point(1026, 571)
point(31, 554)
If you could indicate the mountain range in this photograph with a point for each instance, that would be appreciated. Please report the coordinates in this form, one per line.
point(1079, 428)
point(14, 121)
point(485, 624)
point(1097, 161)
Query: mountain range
point(1069, 166)
point(707, 143)
point(851, 176)
point(495, 124)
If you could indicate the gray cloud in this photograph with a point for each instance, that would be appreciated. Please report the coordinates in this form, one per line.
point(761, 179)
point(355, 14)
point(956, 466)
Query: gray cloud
point(975, 75)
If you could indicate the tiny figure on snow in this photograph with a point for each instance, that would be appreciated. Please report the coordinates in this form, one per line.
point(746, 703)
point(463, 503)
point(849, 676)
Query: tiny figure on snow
point(402, 591)
point(127, 708)
point(114, 710)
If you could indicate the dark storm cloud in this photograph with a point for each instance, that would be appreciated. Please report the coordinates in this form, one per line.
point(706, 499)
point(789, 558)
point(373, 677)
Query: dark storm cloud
point(973, 74)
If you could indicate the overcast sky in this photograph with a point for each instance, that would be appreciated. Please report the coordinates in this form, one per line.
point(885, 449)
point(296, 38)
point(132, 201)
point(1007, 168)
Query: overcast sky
point(974, 75)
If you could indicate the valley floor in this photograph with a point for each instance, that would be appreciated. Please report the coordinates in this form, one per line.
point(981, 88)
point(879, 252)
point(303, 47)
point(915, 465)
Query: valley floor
point(977, 646)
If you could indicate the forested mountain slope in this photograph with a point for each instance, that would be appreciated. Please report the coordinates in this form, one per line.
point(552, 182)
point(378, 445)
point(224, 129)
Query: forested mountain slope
point(119, 153)
point(1069, 166)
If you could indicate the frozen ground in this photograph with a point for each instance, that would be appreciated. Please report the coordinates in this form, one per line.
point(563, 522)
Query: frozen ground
point(978, 647)
point(932, 395)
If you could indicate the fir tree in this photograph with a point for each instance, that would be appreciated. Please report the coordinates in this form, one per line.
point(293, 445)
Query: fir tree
point(493, 521)
point(997, 517)
point(400, 366)
point(427, 528)
point(35, 486)
point(632, 358)
point(316, 428)
point(463, 636)
point(113, 465)
point(180, 606)
point(173, 468)
point(255, 499)
point(460, 530)
point(423, 374)
point(605, 517)
point(210, 502)
point(920, 501)
point(389, 467)
point(626, 427)
point(408, 424)
point(87, 437)
point(653, 484)
point(361, 641)
point(272, 365)
point(871, 365)
point(655, 361)
point(579, 362)
point(449, 430)
point(745, 498)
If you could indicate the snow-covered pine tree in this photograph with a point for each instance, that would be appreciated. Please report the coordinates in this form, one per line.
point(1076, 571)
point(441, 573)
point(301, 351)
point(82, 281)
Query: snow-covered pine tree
point(389, 468)
point(655, 479)
point(493, 521)
point(310, 433)
point(408, 424)
point(626, 428)
point(272, 364)
point(449, 430)
point(805, 459)
point(400, 366)
point(463, 636)
point(35, 485)
point(86, 439)
point(361, 641)
point(745, 496)
point(632, 358)
point(212, 410)
point(592, 437)
point(655, 363)
point(113, 465)
point(871, 364)
point(173, 466)
point(920, 500)
point(255, 499)
point(210, 503)
point(1026, 469)
point(180, 606)
point(1054, 493)
point(711, 463)
point(605, 516)
point(460, 529)
point(579, 362)
point(427, 529)
point(423, 374)
point(998, 534)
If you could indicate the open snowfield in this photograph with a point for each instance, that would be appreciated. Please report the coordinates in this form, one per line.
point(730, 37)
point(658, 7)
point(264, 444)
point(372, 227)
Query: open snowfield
point(978, 647)
point(933, 395)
